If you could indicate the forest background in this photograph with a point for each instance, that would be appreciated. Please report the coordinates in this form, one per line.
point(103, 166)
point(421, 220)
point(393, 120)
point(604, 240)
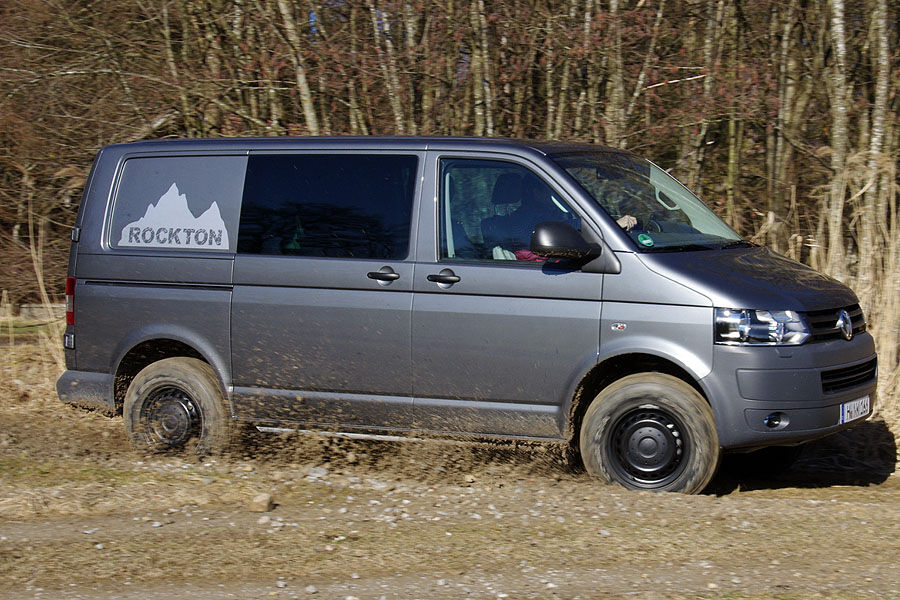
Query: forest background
point(781, 114)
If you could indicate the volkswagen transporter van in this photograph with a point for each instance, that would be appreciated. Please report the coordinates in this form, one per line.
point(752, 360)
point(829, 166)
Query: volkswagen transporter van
point(477, 287)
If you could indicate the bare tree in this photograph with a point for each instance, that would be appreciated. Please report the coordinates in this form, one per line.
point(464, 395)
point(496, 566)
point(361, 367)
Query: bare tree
point(839, 87)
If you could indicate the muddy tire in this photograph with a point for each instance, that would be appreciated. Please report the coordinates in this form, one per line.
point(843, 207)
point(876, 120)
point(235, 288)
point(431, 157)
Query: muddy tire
point(177, 404)
point(650, 431)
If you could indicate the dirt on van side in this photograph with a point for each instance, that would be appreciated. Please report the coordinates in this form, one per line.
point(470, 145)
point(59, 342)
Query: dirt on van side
point(84, 516)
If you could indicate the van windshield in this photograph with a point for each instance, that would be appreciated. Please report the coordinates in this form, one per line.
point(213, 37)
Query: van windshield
point(658, 213)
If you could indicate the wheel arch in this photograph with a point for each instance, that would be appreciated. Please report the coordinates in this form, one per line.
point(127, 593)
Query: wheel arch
point(611, 370)
point(155, 347)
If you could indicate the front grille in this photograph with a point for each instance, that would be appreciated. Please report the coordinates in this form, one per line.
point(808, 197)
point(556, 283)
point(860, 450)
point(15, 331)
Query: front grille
point(824, 323)
point(838, 380)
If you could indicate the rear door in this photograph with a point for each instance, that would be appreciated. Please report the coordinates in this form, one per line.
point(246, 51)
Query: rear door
point(500, 338)
point(322, 289)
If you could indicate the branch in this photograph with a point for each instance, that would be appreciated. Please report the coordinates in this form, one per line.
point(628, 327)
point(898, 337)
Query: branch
point(671, 81)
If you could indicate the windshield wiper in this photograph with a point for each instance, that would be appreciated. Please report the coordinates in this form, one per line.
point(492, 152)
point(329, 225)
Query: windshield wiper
point(681, 248)
point(738, 244)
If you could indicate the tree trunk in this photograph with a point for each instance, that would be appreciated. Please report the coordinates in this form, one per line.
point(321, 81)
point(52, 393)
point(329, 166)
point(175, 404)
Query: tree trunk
point(780, 152)
point(357, 117)
point(306, 97)
point(650, 54)
point(872, 218)
point(840, 109)
point(186, 112)
point(735, 142)
point(711, 52)
point(485, 81)
point(387, 62)
point(615, 99)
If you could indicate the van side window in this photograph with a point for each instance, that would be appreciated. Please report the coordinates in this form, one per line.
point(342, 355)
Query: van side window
point(489, 209)
point(178, 203)
point(329, 205)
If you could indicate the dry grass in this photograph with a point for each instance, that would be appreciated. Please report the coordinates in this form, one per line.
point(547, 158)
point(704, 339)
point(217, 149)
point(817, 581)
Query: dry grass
point(872, 236)
point(30, 363)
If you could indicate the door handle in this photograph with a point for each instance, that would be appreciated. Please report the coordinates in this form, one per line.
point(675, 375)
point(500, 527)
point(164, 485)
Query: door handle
point(384, 275)
point(446, 276)
point(379, 276)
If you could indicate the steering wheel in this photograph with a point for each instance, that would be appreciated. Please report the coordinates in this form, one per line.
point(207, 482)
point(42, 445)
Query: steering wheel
point(652, 226)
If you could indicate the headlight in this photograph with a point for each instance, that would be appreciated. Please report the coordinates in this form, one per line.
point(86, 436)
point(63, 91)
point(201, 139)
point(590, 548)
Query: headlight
point(747, 327)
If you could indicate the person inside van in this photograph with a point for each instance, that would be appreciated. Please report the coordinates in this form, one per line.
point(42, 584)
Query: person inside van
point(508, 237)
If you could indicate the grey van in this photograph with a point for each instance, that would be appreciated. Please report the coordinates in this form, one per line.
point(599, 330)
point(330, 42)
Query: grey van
point(448, 286)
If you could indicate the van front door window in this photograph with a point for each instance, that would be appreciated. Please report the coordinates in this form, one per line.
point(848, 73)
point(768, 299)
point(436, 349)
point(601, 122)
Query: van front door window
point(490, 208)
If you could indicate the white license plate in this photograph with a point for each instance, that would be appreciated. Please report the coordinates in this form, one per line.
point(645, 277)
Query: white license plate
point(855, 409)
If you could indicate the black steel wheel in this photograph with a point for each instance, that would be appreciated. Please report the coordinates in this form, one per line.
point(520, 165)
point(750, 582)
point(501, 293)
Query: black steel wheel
point(648, 445)
point(650, 431)
point(172, 417)
point(177, 404)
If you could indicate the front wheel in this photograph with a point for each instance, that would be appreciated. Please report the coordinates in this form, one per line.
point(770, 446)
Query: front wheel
point(650, 431)
point(177, 404)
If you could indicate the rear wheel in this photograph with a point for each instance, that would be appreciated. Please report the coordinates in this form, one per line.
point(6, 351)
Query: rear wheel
point(651, 431)
point(177, 404)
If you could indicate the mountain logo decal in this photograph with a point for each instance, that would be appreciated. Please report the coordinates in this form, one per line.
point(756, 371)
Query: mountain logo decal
point(170, 224)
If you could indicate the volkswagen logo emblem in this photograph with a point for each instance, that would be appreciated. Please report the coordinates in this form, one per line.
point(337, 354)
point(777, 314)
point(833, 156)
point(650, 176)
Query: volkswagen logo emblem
point(845, 325)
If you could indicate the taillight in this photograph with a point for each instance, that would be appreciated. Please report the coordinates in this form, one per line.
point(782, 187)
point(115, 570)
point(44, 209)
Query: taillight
point(70, 300)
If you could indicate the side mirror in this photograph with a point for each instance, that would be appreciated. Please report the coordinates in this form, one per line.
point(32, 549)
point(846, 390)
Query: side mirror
point(557, 239)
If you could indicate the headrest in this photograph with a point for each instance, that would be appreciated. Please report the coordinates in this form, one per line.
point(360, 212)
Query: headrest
point(507, 189)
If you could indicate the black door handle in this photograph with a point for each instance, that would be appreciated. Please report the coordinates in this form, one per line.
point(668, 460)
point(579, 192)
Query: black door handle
point(445, 276)
point(378, 275)
point(383, 276)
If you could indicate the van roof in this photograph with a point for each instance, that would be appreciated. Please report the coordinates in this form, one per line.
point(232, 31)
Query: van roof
point(419, 143)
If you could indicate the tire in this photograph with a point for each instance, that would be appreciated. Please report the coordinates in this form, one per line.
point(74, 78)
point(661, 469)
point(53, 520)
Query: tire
point(177, 404)
point(650, 431)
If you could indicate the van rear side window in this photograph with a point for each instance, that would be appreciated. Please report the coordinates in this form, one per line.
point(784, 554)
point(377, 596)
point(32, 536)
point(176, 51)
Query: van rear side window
point(178, 203)
point(332, 205)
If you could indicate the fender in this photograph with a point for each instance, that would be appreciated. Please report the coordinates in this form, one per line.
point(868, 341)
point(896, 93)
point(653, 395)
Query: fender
point(697, 365)
point(158, 331)
point(577, 375)
point(678, 347)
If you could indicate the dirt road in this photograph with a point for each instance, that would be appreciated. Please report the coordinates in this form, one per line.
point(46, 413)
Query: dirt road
point(81, 516)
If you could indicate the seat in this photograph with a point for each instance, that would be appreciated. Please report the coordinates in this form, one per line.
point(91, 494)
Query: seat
point(498, 231)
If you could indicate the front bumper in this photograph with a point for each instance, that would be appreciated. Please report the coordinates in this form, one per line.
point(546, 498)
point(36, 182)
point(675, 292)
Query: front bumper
point(806, 385)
